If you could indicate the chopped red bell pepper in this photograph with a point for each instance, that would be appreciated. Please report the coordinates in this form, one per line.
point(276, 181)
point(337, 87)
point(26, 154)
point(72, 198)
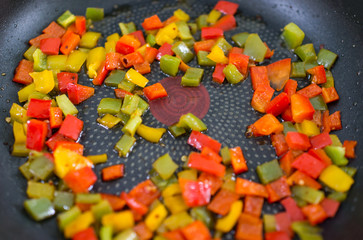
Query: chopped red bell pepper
point(200, 140)
point(133, 204)
point(113, 172)
point(320, 141)
point(226, 7)
point(116, 202)
point(35, 136)
point(330, 94)
point(211, 154)
point(259, 76)
point(174, 235)
point(36, 41)
point(150, 54)
point(56, 137)
point(335, 122)
point(50, 46)
point(318, 74)
point(292, 209)
point(238, 161)
point(349, 148)
point(246, 187)
point(204, 164)
point(236, 50)
point(309, 165)
point(301, 108)
point(278, 190)
point(113, 61)
point(279, 143)
point(290, 87)
point(39, 108)
point(196, 230)
point(269, 53)
point(287, 115)
point(142, 231)
point(278, 235)
point(78, 93)
point(54, 30)
point(165, 49)
point(171, 20)
point(310, 91)
point(127, 44)
point(66, 34)
point(80, 25)
point(88, 233)
point(240, 61)
point(73, 146)
point(205, 45)
point(278, 105)
point(155, 91)
point(321, 156)
point(71, 127)
point(80, 180)
point(132, 59)
point(139, 35)
point(145, 192)
point(22, 72)
point(302, 179)
point(143, 67)
point(279, 73)
point(285, 163)
point(330, 206)
point(261, 97)
point(152, 23)
point(298, 141)
point(55, 117)
point(222, 202)
point(226, 23)
point(211, 33)
point(283, 223)
point(64, 78)
point(214, 181)
point(315, 213)
point(265, 126)
point(218, 75)
point(120, 93)
point(317, 118)
point(248, 227)
point(70, 43)
point(101, 74)
point(253, 205)
point(195, 193)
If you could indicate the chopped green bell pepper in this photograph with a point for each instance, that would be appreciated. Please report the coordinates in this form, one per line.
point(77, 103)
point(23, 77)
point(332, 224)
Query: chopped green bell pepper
point(40, 60)
point(66, 217)
point(335, 140)
point(127, 28)
point(300, 202)
point(100, 209)
point(165, 166)
point(318, 103)
point(109, 105)
point(232, 74)
point(329, 80)
point(192, 122)
point(39, 190)
point(306, 52)
point(269, 222)
point(169, 64)
point(95, 14)
point(183, 51)
point(159, 181)
point(308, 194)
point(106, 233)
point(336, 154)
point(178, 220)
point(204, 215)
point(108, 120)
point(184, 31)
point(292, 35)
point(192, 77)
point(224, 45)
point(66, 105)
point(176, 131)
point(115, 78)
point(226, 155)
point(202, 21)
point(24, 169)
point(57, 62)
point(128, 234)
point(41, 167)
point(150, 39)
point(124, 145)
point(18, 113)
point(124, 117)
point(63, 201)
point(126, 85)
point(338, 196)
point(66, 19)
point(255, 48)
point(88, 198)
point(269, 171)
point(29, 53)
point(351, 171)
point(96, 159)
point(240, 38)
point(193, 28)
point(298, 70)
point(132, 124)
point(306, 231)
point(130, 104)
point(203, 60)
point(39, 209)
point(326, 58)
point(288, 127)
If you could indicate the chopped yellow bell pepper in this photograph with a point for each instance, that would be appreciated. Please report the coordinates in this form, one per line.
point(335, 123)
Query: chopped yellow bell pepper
point(19, 134)
point(217, 55)
point(109, 120)
point(175, 204)
point(171, 190)
point(178, 220)
point(335, 178)
point(181, 15)
point(213, 16)
point(18, 113)
point(38, 190)
point(119, 221)
point(57, 62)
point(94, 59)
point(167, 34)
point(133, 76)
point(150, 134)
point(226, 223)
point(156, 217)
point(308, 127)
point(142, 49)
point(113, 37)
point(44, 81)
point(82, 222)
point(110, 46)
point(66, 160)
point(24, 93)
point(75, 61)
point(190, 174)
point(89, 39)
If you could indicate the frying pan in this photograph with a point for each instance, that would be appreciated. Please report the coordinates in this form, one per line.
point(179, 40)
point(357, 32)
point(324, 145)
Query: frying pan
point(336, 24)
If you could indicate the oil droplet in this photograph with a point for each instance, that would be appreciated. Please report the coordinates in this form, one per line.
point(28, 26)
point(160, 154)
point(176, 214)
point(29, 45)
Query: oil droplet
point(355, 104)
point(7, 100)
point(3, 74)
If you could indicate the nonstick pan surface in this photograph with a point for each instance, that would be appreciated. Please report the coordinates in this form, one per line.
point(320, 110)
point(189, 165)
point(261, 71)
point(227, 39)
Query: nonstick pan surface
point(335, 24)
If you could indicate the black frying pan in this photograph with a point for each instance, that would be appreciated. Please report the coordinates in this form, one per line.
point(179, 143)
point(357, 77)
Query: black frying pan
point(337, 25)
